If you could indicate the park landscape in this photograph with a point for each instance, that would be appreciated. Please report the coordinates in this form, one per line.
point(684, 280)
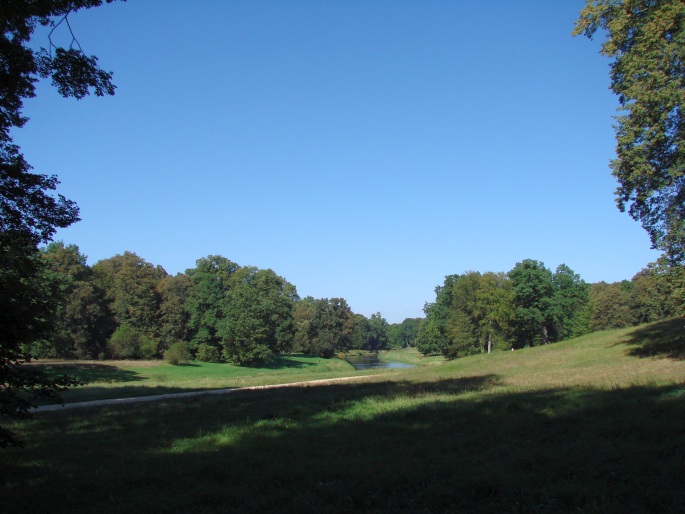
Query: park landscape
point(593, 424)
point(125, 388)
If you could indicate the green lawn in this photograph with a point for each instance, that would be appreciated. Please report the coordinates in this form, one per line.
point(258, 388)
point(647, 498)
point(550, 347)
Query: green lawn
point(125, 379)
point(591, 425)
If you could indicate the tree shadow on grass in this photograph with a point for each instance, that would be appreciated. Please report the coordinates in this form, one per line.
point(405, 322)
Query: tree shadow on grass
point(284, 362)
point(451, 445)
point(660, 339)
point(90, 372)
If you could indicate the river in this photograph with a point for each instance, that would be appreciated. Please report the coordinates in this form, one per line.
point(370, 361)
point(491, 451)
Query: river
point(373, 362)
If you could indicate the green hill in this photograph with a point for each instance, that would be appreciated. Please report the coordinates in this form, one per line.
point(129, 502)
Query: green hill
point(595, 424)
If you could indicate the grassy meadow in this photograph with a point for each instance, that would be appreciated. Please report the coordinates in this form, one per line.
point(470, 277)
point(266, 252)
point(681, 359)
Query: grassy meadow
point(595, 424)
point(127, 379)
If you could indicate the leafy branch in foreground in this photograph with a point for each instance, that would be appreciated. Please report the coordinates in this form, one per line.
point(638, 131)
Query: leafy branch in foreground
point(29, 213)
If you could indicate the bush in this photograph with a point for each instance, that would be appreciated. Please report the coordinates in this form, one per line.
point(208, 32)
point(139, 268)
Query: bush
point(149, 348)
point(208, 353)
point(177, 353)
point(125, 343)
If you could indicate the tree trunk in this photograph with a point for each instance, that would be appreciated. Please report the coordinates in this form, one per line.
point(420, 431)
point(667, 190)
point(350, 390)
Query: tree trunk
point(489, 336)
point(545, 337)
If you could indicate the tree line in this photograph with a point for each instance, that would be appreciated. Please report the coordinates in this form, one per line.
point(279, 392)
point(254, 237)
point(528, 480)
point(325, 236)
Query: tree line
point(126, 308)
point(531, 305)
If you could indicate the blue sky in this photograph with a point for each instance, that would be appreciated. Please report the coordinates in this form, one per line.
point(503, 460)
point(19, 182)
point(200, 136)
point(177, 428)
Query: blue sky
point(360, 149)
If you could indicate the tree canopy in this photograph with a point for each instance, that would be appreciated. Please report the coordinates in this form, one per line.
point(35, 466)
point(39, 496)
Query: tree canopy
point(646, 41)
point(29, 213)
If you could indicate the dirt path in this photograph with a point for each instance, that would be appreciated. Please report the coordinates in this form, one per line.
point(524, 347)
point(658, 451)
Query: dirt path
point(140, 399)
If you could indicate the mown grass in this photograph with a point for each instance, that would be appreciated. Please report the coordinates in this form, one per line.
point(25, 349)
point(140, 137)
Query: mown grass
point(128, 379)
point(582, 426)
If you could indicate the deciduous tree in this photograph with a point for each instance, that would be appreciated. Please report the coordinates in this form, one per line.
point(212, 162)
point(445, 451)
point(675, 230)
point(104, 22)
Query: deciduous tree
point(29, 213)
point(646, 41)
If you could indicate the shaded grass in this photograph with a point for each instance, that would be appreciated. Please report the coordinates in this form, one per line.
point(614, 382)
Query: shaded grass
point(661, 339)
point(454, 445)
point(581, 426)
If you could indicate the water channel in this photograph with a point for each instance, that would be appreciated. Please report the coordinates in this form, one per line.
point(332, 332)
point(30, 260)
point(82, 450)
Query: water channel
point(373, 362)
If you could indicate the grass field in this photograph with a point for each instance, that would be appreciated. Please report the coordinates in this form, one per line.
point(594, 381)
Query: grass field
point(124, 379)
point(596, 425)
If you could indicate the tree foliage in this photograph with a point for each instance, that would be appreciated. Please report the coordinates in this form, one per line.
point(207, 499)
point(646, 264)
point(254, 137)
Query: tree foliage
point(257, 316)
point(403, 335)
point(29, 213)
point(646, 41)
point(81, 322)
point(324, 327)
point(131, 289)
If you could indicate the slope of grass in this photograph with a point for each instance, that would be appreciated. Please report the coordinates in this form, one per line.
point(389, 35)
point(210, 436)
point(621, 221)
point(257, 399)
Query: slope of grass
point(582, 426)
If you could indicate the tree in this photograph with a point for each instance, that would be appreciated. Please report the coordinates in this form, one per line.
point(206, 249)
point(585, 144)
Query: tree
point(495, 310)
point(649, 298)
point(610, 306)
point(431, 339)
point(403, 335)
point(211, 280)
point(81, 322)
point(360, 332)
point(432, 335)
point(29, 214)
point(329, 326)
point(646, 41)
point(130, 285)
point(533, 288)
point(463, 324)
point(173, 323)
point(569, 296)
point(378, 333)
point(257, 320)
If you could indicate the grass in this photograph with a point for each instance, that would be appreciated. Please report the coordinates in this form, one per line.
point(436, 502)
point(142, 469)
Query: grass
point(583, 426)
point(123, 379)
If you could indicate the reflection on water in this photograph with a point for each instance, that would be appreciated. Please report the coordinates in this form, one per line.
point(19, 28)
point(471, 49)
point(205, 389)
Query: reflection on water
point(373, 362)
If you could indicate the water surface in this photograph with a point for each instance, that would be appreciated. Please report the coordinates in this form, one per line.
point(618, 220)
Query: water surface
point(373, 362)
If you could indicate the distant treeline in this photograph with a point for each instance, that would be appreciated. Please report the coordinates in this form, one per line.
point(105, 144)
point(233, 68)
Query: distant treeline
point(126, 308)
point(531, 305)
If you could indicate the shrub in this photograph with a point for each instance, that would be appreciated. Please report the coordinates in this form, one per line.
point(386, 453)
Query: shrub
point(208, 353)
point(124, 343)
point(177, 353)
point(149, 348)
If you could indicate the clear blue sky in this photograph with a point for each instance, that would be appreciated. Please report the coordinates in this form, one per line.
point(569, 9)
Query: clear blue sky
point(361, 149)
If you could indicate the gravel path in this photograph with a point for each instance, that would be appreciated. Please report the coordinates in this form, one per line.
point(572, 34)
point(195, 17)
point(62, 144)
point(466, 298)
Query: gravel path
point(140, 399)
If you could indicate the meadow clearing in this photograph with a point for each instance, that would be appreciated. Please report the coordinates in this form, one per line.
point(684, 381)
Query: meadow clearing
point(594, 424)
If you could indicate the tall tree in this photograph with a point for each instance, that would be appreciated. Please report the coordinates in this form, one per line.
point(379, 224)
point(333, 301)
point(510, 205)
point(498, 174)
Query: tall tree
point(533, 288)
point(330, 327)
point(646, 41)
point(569, 296)
point(173, 323)
point(495, 310)
point(130, 285)
point(403, 335)
point(211, 281)
point(610, 305)
point(257, 316)
point(81, 322)
point(29, 214)
point(360, 332)
point(378, 333)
